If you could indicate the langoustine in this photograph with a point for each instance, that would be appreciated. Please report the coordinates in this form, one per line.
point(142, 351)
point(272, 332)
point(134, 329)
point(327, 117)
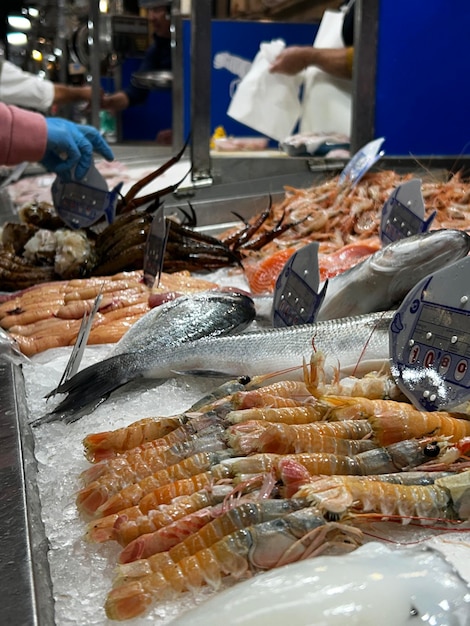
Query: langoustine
point(263, 546)
point(132, 527)
point(447, 498)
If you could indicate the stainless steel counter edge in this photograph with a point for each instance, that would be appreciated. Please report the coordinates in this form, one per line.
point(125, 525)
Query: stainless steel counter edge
point(25, 582)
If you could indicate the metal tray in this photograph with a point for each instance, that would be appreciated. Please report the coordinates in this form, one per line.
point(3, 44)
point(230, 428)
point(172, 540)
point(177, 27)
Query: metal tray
point(25, 582)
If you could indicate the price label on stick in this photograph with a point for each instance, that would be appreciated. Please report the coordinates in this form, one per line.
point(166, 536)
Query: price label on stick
point(155, 248)
point(81, 341)
point(403, 213)
point(296, 298)
point(430, 339)
point(361, 163)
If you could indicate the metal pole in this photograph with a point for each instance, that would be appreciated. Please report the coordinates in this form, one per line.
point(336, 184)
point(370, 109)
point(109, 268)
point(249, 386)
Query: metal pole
point(178, 75)
point(200, 91)
point(366, 20)
point(95, 60)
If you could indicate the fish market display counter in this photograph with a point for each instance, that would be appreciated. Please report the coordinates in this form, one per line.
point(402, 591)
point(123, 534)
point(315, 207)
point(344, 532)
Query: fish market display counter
point(49, 572)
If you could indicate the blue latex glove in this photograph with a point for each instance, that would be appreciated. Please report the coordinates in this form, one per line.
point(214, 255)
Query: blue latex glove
point(70, 146)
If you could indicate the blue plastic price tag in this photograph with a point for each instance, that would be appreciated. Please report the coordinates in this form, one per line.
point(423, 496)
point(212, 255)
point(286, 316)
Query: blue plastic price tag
point(296, 298)
point(360, 163)
point(155, 248)
point(430, 339)
point(403, 213)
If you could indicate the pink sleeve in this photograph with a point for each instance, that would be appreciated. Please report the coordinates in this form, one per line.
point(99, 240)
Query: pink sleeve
point(23, 135)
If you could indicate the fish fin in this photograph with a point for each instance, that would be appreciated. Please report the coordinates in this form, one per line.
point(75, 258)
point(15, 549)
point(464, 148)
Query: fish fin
point(91, 386)
point(203, 373)
point(66, 416)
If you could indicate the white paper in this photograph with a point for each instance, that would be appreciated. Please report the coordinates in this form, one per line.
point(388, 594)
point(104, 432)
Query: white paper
point(268, 103)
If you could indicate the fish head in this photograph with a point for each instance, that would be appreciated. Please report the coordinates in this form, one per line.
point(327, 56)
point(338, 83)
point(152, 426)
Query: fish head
point(236, 307)
point(407, 261)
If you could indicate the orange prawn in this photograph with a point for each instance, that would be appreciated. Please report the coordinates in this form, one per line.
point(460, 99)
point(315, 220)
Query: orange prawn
point(444, 499)
point(264, 546)
point(288, 415)
point(248, 437)
point(139, 464)
point(290, 439)
point(104, 445)
point(222, 523)
point(394, 421)
point(101, 446)
point(132, 494)
point(130, 523)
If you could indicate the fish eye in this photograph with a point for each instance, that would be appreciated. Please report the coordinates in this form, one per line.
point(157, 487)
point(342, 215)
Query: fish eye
point(431, 449)
point(244, 380)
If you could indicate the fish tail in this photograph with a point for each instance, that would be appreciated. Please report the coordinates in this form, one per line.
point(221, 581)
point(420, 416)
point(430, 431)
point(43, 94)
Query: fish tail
point(91, 386)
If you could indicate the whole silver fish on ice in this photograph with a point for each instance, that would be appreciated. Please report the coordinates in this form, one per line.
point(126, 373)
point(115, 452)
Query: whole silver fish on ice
point(175, 341)
point(382, 280)
point(152, 339)
point(357, 344)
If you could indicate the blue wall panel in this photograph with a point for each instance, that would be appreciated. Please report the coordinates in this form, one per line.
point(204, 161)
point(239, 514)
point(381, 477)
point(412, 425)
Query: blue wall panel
point(239, 40)
point(423, 82)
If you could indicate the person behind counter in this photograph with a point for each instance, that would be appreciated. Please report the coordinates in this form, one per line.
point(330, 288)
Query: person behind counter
point(27, 90)
point(335, 61)
point(157, 58)
point(58, 144)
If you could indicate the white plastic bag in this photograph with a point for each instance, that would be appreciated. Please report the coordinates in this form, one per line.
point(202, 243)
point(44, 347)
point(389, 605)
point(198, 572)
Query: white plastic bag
point(268, 103)
point(327, 100)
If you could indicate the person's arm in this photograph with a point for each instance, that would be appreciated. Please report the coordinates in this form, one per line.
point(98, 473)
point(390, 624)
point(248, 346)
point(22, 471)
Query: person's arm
point(23, 135)
point(24, 89)
point(334, 61)
point(60, 145)
point(115, 102)
point(66, 94)
point(27, 90)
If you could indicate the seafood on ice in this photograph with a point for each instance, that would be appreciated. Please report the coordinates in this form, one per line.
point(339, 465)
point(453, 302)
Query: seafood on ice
point(48, 315)
point(206, 531)
point(323, 213)
point(383, 279)
point(362, 342)
point(191, 510)
point(153, 338)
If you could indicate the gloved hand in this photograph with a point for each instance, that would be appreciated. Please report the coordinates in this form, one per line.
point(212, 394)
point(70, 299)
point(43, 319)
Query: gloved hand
point(71, 145)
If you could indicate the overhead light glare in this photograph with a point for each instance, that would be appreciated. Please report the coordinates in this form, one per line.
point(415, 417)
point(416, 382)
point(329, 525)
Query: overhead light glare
point(17, 39)
point(19, 22)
